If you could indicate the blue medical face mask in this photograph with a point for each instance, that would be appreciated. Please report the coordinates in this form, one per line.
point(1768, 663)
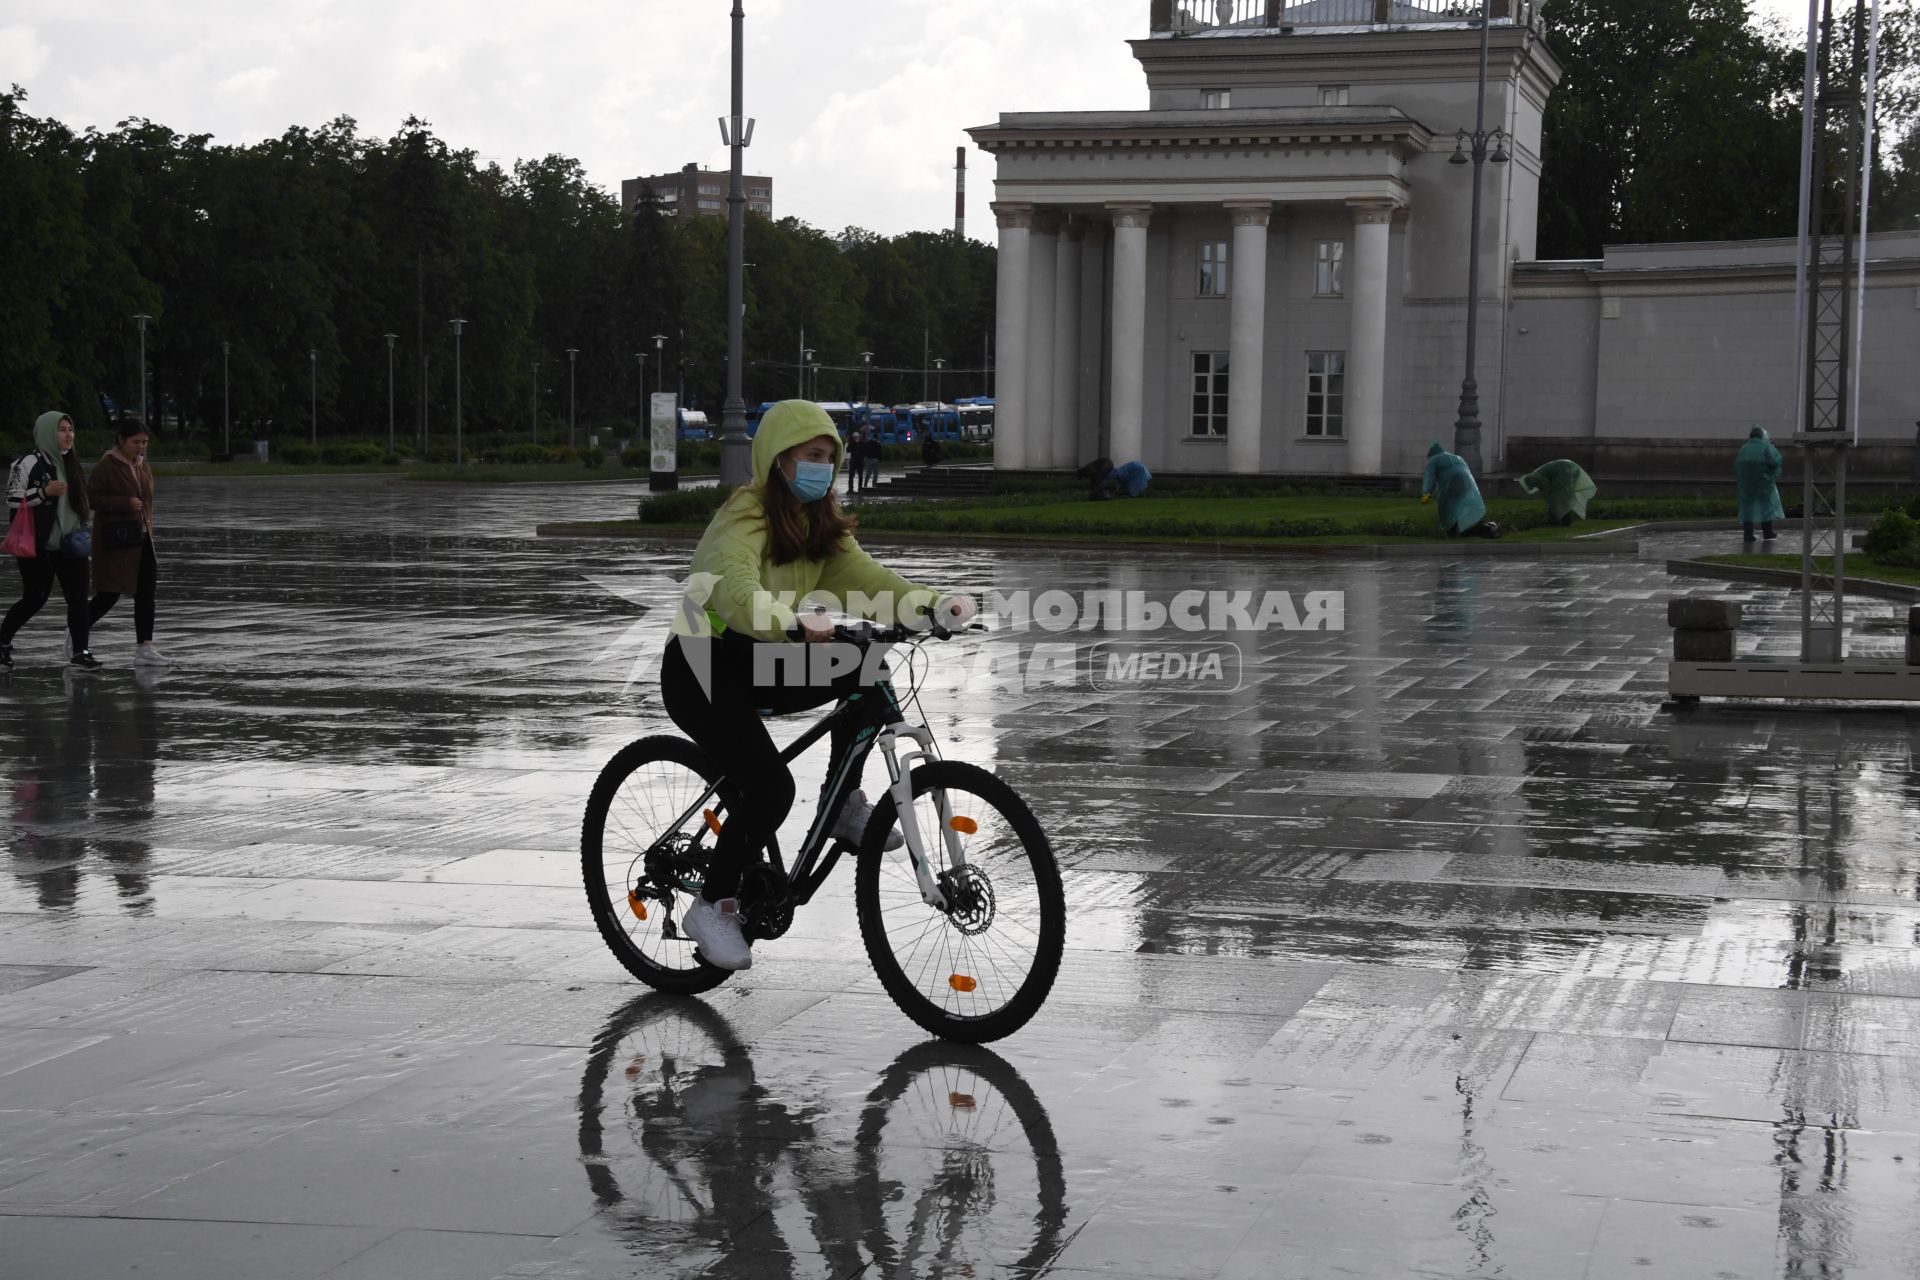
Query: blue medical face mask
point(811, 480)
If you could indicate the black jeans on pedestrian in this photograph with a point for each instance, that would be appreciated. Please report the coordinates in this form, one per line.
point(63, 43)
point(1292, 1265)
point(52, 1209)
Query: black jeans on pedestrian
point(728, 727)
point(37, 577)
point(143, 593)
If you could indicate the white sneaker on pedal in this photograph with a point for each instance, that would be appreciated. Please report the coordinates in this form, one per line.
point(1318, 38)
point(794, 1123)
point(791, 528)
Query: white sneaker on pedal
point(716, 927)
point(851, 828)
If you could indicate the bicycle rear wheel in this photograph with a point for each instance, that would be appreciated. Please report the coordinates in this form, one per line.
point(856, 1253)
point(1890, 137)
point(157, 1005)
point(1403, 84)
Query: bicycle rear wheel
point(637, 882)
point(980, 970)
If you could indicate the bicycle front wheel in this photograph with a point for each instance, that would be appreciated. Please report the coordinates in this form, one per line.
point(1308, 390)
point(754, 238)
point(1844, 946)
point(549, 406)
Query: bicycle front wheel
point(980, 969)
point(641, 869)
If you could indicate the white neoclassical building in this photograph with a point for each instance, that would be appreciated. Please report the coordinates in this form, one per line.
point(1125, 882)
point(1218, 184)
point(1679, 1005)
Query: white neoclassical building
point(1265, 270)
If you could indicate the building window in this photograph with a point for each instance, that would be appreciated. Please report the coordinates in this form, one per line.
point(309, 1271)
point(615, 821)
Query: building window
point(1329, 277)
point(711, 204)
point(1333, 95)
point(1216, 99)
point(1213, 268)
point(1326, 393)
point(1210, 393)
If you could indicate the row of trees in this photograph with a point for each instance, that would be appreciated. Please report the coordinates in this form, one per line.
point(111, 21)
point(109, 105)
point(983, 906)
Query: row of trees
point(326, 241)
point(1677, 119)
point(1680, 120)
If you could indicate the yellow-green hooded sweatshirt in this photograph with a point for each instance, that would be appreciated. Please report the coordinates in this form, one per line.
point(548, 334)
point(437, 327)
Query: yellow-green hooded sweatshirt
point(734, 581)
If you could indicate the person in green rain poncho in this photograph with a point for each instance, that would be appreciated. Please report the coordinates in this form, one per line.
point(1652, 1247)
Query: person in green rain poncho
point(1449, 481)
point(51, 485)
point(1565, 486)
point(1757, 467)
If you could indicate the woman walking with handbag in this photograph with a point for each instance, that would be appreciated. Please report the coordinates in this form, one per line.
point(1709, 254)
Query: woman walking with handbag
point(121, 493)
point(47, 489)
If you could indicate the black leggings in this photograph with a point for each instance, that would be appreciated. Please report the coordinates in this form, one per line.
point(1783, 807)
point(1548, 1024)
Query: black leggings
point(142, 597)
point(37, 577)
point(728, 728)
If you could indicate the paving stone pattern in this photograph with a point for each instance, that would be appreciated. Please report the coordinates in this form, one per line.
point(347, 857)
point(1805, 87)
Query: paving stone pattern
point(1436, 948)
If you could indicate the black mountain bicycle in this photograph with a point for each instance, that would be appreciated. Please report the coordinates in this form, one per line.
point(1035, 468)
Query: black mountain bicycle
point(965, 924)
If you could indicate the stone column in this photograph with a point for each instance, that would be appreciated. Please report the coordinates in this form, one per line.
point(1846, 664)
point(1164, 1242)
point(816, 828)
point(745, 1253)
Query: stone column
point(1010, 338)
point(1129, 330)
point(1366, 378)
point(1063, 438)
point(1248, 344)
point(1043, 260)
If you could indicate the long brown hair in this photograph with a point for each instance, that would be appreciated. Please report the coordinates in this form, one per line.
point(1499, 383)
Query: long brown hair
point(799, 530)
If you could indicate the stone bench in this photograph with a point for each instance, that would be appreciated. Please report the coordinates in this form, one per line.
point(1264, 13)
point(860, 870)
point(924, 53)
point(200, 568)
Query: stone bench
point(1704, 629)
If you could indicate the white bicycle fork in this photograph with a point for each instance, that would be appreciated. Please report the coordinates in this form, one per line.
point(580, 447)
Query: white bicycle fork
point(900, 770)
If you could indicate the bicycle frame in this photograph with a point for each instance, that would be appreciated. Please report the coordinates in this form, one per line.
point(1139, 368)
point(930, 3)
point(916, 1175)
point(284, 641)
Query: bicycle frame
point(881, 724)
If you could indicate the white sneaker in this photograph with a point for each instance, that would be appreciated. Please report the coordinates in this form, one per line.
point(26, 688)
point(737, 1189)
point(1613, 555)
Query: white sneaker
point(716, 927)
point(147, 656)
point(66, 646)
point(851, 828)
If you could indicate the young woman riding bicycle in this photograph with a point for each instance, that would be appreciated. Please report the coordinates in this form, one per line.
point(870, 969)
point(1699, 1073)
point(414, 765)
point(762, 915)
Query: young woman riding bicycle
point(775, 543)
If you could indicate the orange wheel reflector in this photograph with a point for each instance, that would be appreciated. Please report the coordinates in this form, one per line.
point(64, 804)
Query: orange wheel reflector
point(960, 1101)
point(961, 982)
point(638, 903)
point(965, 826)
point(635, 1067)
point(713, 821)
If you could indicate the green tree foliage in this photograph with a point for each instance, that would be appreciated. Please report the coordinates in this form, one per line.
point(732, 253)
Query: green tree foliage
point(325, 240)
point(1680, 120)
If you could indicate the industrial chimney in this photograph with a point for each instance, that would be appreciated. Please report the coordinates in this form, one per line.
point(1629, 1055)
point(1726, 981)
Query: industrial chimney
point(960, 193)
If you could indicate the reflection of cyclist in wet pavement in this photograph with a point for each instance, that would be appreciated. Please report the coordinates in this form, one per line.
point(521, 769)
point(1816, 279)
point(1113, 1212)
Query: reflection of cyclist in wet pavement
point(948, 1161)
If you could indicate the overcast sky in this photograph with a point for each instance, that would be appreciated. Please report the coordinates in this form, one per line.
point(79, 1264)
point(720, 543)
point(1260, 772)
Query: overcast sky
point(860, 102)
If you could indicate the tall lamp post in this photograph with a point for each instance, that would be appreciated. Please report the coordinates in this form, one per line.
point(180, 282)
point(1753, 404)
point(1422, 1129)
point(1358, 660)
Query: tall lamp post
point(736, 467)
point(866, 359)
point(806, 363)
point(140, 320)
point(459, 451)
point(313, 389)
point(572, 354)
point(391, 339)
point(939, 367)
point(226, 399)
point(1480, 146)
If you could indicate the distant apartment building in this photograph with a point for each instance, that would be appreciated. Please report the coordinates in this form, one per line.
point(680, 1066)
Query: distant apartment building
point(694, 192)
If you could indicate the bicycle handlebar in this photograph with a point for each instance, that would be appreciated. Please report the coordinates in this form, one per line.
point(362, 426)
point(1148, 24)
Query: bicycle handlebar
point(866, 633)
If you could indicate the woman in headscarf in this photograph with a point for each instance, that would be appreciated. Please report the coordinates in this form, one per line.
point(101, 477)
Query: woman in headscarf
point(121, 492)
point(51, 482)
point(1757, 467)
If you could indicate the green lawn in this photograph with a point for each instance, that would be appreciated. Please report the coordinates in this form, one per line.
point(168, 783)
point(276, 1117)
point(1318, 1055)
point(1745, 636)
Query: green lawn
point(1859, 566)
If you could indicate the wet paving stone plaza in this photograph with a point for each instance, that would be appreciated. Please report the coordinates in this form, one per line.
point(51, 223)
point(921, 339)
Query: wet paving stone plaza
point(1435, 947)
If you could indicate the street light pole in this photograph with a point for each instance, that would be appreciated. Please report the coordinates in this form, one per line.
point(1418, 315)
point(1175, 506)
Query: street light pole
point(313, 388)
point(939, 367)
point(459, 450)
point(391, 339)
point(226, 399)
point(866, 359)
point(736, 466)
point(141, 321)
point(1466, 429)
point(572, 353)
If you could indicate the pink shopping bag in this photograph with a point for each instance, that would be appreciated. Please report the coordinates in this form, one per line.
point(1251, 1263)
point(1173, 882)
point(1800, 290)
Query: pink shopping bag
point(20, 540)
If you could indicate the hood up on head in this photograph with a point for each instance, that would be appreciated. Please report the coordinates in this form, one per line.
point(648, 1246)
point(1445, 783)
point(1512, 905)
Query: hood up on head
point(787, 424)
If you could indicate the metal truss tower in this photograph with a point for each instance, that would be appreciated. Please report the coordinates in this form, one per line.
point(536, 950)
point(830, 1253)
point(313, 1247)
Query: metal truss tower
point(1836, 172)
